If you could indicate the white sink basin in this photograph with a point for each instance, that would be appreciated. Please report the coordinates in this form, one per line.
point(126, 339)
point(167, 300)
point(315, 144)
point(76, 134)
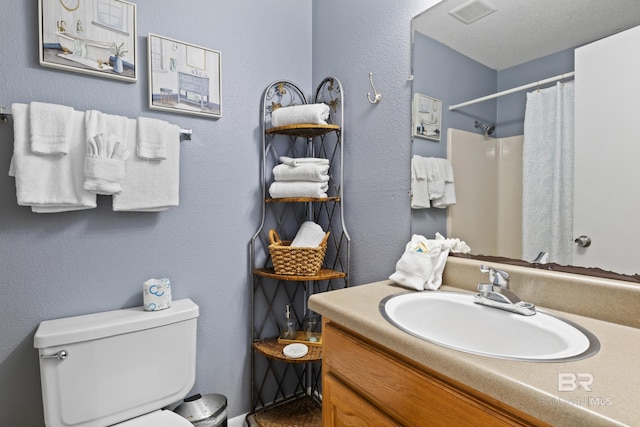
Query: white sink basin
point(453, 320)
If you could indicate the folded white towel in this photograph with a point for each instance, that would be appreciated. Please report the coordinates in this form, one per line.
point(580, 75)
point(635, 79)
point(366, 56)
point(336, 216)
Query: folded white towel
point(48, 126)
point(298, 189)
point(50, 183)
point(104, 164)
point(298, 114)
point(150, 185)
point(423, 261)
point(304, 172)
point(310, 235)
point(418, 264)
point(419, 185)
point(154, 136)
point(97, 122)
point(297, 161)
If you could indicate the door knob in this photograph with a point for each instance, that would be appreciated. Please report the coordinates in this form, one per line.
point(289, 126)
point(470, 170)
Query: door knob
point(583, 241)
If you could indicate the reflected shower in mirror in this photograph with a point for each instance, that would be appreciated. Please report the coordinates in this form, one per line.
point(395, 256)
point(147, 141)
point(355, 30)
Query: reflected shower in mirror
point(522, 43)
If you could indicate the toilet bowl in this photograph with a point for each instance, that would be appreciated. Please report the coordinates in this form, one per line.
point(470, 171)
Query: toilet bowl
point(119, 367)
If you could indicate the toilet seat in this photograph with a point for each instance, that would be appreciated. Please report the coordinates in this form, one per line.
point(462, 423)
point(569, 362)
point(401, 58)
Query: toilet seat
point(160, 418)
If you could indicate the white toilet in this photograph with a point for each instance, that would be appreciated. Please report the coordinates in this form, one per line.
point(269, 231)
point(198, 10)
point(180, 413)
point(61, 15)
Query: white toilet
point(118, 367)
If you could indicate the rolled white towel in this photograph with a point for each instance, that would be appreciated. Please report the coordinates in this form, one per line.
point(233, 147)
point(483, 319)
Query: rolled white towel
point(282, 189)
point(299, 114)
point(297, 161)
point(304, 172)
point(104, 164)
point(310, 235)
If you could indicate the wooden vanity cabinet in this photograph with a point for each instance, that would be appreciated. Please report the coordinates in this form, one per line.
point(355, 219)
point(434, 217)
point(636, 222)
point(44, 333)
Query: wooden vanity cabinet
point(365, 384)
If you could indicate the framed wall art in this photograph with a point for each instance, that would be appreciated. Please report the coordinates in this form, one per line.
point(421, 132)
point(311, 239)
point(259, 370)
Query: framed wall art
point(426, 117)
point(96, 37)
point(184, 78)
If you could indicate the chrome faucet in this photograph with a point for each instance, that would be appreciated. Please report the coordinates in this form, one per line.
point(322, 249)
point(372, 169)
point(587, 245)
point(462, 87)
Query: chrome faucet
point(497, 295)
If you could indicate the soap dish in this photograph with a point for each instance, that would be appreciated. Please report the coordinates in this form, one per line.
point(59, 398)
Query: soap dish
point(295, 351)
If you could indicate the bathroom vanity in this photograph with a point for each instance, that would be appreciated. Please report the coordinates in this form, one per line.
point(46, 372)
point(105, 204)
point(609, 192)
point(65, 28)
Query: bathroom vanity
point(376, 374)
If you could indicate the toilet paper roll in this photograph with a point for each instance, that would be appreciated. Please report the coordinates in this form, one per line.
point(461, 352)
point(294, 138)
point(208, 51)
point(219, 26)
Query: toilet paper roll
point(156, 294)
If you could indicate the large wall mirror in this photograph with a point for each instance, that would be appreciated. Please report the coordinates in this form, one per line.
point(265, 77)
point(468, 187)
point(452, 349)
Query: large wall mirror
point(464, 50)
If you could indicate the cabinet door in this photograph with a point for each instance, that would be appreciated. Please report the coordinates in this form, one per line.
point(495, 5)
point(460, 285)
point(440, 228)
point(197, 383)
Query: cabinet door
point(344, 408)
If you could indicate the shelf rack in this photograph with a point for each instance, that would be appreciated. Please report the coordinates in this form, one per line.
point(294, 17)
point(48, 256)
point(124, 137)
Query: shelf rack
point(286, 392)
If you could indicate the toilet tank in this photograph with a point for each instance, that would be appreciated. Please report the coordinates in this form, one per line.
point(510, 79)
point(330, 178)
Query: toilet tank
point(119, 364)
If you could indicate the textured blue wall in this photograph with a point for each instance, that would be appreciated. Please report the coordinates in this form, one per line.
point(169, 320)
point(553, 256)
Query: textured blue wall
point(58, 265)
point(66, 264)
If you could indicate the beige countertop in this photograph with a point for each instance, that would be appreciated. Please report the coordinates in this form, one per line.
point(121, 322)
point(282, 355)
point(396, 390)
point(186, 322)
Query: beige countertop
point(614, 398)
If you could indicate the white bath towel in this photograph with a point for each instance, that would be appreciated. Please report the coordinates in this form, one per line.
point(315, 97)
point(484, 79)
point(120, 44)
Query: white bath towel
point(309, 235)
point(300, 114)
point(419, 185)
point(304, 172)
point(150, 185)
point(154, 136)
point(297, 161)
point(298, 189)
point(104, 164)
point(97, 122)
point(435, 177)
point(448, 196)
point(50, 183)
point(48, 125)
point(418, 264)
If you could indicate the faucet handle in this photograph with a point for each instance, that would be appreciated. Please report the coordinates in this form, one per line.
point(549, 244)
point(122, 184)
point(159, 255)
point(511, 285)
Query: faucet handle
point(496, 277)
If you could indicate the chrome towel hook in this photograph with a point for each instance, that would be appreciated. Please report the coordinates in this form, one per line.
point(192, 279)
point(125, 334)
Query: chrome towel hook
point(377, 96)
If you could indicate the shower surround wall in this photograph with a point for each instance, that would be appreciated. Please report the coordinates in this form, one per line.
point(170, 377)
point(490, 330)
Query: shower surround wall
point(488, 214)
point(60, 265)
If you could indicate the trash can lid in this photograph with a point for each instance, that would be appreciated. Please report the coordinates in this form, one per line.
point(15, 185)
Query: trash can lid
point(198, 407)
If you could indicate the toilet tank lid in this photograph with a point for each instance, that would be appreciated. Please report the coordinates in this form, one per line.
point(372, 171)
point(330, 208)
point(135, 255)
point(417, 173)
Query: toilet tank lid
point(74, 329)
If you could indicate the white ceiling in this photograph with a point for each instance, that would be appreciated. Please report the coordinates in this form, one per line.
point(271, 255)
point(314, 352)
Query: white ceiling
point(523, 30)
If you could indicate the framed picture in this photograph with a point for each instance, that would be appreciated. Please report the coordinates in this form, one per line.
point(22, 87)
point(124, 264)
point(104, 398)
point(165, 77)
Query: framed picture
point(184, 78)
point(96, 37)
point(426, 117)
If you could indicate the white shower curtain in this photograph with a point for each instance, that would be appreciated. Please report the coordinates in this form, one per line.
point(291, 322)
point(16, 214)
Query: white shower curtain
point(547, 174)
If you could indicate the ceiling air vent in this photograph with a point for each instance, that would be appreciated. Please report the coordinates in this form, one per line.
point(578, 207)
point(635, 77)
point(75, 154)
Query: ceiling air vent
point(473, 10)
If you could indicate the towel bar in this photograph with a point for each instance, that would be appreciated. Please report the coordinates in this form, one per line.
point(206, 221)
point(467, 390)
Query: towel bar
point(5, 112)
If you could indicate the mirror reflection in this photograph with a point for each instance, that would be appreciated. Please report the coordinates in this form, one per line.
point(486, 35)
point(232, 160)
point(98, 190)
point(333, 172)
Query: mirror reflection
point(528, 186)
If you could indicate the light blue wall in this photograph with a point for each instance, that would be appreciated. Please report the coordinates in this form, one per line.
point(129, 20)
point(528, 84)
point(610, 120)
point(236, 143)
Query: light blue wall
point(443, 73)
point(350, 40)
point(58, 265)
point(66, 264)
point(511, 107)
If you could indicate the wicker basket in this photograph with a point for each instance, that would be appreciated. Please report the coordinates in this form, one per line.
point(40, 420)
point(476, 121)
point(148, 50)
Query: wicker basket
point(296, 261)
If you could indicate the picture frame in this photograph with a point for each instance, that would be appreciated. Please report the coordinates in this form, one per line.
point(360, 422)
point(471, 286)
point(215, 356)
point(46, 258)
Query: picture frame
point(184, 78)
point(95, 37)
point(427, 117)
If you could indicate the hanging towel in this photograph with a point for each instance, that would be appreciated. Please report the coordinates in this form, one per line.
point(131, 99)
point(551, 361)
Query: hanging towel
point(303, 172)
point(310, 235)
point(104, 164)
point(50, 183)
point(448, 196)
point(150, 185)
point(48, 125)
point(298, 189)
point(154, 136)
point(297, 161)
point(432, 183)
point(299, 114)
point(419, 186)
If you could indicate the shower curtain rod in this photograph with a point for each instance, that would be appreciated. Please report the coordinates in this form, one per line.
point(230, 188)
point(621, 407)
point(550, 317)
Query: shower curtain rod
point(515, 89)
